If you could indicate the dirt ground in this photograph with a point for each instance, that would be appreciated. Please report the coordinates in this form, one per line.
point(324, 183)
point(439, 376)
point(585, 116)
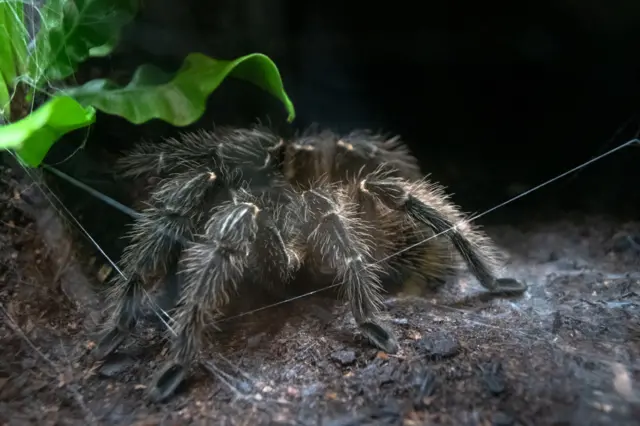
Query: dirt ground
point(566, 353)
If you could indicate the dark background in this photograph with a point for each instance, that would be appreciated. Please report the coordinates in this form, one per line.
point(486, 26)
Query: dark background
point(493, 97)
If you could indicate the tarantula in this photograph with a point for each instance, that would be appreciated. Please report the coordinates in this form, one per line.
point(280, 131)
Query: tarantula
point(238, 207)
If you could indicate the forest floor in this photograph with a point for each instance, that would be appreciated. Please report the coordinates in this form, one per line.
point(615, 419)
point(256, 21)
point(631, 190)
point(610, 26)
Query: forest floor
point(565, 353)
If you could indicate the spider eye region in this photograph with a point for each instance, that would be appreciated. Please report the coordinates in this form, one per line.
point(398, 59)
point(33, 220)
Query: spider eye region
point(307, 147)
point(360, 148)
point(345, 145)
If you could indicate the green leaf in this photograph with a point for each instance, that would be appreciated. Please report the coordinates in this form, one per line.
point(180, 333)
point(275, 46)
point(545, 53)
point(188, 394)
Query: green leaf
point(179, 99)
point(33, 136)
point(70, 29)
point(13, 41)
point(105, 49)
point(5, 99)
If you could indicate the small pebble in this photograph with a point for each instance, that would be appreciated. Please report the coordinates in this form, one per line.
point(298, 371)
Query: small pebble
point(344, 357)
point(254, 340)
point(493, 378)
point(28, 363)
point(382, 355)
point(439, 345)
point(557, 322)
point(553, 256)
point(314, 389)
point(292, 373)
point(115, 364)
point(622, 242)
point(244, 386)
point(502, 419)
point(425, 387)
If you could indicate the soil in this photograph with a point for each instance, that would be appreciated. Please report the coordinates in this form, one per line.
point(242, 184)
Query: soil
point(566, 353)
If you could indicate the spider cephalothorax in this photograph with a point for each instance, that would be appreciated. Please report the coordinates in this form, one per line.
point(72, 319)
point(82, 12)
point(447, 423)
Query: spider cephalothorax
point(238, 207)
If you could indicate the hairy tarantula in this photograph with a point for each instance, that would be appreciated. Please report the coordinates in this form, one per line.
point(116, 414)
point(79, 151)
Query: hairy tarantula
point(244, 207)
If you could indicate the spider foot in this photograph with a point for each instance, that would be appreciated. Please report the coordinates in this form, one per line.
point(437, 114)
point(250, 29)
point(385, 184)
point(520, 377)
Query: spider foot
point(380, 336)
point(509, 286)
point(109, 343)
point(167, 381)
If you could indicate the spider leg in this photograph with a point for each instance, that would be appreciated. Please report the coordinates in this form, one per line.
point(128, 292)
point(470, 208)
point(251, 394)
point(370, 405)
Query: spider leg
point(169, 298)
point(341, 244)
point(157, 237)
point(427, 204)
point(154, 159)
point(368, 152)
point(235, 243)
point(196, 149)
point(128, 297)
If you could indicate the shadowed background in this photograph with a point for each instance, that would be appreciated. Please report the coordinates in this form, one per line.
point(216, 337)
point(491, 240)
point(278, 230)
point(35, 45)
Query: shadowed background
point(494, 99)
